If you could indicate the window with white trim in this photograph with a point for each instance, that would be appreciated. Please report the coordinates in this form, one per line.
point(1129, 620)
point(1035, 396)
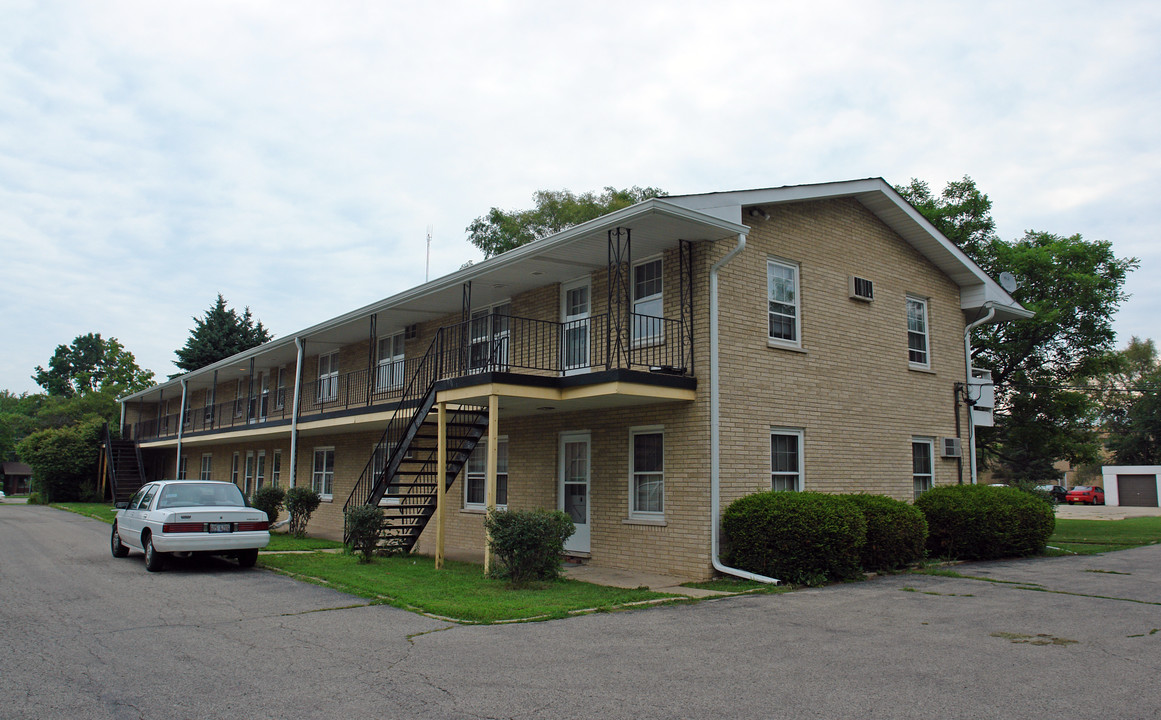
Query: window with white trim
point(182, 464)
point(261, 473)
point(328, 377)
point(488, 336)
point(648, 302)
point(917, 336)
point(922, 464)
point(234, 470)
point(783, 295)
point(276, 468)
point(240, 391)
point(646, 472)
point(475, 485)
point(389, 375)
point(207, 472)
point(280, 392)
point(322, 477)
point(785, 459)
point(248, 475)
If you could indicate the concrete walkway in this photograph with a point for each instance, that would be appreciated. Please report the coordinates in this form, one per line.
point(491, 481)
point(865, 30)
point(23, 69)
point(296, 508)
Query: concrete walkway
point(1104, 512)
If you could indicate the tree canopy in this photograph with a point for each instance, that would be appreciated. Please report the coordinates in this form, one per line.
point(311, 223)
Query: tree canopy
point(555, 210)
point(1041, 365)
point(90, 364)
point(220, 334)
point(1131, 399)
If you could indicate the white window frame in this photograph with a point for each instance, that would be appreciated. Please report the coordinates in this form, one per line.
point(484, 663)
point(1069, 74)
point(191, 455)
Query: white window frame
point(280, 390)
point(234, 468)
point(328, 381)
point(207, 471)
point(656, 329)
point(182, 466)
point(389, 365)
point(276, 468)
point(798, 474)
point(476, 472)
point(260, 471)
point(796, 305)
point(924, 333)
point(487, 331)
point(239, 399)
point(248, 474)
point(922, 482)
point(323, 481)
point(635, 474)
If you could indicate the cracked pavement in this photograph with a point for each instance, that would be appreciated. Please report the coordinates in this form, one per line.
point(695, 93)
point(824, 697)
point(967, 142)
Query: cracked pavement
point(88, 636)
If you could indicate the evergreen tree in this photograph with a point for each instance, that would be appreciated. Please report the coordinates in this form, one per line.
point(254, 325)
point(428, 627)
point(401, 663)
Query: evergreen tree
point(222, 333)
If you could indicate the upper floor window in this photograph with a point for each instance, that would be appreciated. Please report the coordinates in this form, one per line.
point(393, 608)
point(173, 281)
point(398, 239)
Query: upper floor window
point(328, 377)
point(648, 301)
point(917, 335)
point(390, 369)
point(782, 293)
point(280, 392)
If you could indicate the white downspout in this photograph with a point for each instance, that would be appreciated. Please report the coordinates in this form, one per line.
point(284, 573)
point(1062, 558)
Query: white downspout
point(181, 425)
point(967, 359)
point(715, 423)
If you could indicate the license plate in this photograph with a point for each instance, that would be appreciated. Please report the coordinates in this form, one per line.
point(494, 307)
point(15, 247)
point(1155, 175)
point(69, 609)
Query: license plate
point(221, 527)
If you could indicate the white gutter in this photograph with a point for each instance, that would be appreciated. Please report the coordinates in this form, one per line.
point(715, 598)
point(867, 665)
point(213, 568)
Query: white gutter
point(967, 359)
point(180, 427)
point(715, 426)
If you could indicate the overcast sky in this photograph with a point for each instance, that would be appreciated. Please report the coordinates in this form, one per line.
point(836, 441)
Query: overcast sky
point(291, 155)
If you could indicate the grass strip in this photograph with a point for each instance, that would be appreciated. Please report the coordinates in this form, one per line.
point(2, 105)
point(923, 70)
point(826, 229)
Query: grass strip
point(458, 592)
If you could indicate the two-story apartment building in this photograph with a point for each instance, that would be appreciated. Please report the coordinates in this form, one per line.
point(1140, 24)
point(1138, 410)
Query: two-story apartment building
point(639, 372)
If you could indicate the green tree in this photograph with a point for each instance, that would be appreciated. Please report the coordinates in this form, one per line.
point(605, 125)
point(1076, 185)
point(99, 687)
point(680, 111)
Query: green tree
point(1041, 365)
point(63, 460)
point(220, 334)
point(556, 210)
point(17, 420)
point(90, 364)
point(1131, 399)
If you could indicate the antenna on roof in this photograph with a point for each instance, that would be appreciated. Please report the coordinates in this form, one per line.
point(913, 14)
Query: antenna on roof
point(427, 268)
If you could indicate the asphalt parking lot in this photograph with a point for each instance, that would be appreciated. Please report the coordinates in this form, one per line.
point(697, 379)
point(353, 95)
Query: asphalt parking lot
point(87, 636)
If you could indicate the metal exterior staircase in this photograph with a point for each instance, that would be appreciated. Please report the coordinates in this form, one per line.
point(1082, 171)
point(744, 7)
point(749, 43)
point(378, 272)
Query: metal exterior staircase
point(401, 475)
point(123, 467)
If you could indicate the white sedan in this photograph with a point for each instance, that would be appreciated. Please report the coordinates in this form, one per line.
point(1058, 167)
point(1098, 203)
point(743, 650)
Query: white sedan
point(185, 517)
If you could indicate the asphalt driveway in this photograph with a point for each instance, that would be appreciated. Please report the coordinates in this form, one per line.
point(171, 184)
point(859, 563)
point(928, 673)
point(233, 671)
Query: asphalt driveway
point(87, 636)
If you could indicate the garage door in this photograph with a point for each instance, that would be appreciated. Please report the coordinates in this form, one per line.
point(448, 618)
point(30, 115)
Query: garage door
point(1137, 490)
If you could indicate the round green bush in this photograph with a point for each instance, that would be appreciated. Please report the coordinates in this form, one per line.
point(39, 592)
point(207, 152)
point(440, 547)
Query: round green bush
point(981, 522)
point(364, 523)
point(896, 532)
point(269, 499)
point(805, 538)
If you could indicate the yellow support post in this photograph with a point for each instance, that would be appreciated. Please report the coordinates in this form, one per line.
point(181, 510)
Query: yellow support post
point(490, 474)
point(440, 482)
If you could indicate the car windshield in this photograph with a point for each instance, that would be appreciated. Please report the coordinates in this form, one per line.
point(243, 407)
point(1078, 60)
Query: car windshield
point(207, 494)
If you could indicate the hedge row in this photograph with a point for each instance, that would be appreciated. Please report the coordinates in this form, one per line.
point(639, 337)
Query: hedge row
point(809, 538)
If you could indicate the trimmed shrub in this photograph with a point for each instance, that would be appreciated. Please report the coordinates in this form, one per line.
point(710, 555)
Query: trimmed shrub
point(269, 499)
point(981, 522)
point(896, 532)
point(528, 543)
point(35, 499)
point(301, 502)
point(364, 523)
point(805, 538)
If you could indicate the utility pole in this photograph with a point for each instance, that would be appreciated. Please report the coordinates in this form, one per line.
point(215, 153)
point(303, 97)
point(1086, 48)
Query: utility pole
point(427, 268)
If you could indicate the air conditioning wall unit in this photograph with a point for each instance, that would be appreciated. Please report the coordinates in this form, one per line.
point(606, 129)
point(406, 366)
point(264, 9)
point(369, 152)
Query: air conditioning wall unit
point(860, 289)
point(950, 448)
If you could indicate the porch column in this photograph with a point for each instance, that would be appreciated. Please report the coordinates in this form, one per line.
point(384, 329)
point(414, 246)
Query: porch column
point(490, 473)
point(181, 424)
point(300, 345)
point(440, 482)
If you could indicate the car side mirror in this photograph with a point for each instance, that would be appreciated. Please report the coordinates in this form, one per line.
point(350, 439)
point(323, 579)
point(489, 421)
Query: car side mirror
point(121, 505)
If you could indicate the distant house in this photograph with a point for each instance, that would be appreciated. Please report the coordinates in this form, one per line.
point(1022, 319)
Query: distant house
point(638, 371)
point(15, 477)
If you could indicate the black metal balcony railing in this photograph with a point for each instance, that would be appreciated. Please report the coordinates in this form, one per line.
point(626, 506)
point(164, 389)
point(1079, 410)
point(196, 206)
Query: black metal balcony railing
point(497, 343)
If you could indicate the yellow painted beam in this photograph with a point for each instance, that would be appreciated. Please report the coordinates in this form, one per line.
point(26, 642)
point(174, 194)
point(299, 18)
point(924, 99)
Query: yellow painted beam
point(490, 473)
point(440, 483)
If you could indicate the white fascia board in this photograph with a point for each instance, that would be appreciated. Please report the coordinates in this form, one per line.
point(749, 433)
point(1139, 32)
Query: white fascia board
point(644, 209)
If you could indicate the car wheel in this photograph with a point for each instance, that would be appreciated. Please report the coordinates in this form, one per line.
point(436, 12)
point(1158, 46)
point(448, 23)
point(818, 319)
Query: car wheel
point(247, 558)
point(154, 560)
point(119, 548)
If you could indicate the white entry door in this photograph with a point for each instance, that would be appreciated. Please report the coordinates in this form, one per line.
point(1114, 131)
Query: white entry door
point(575, 303)
point(574, 487)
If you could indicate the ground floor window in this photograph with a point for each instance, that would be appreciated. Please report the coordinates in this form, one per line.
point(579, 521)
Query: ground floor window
point(322, 479)
point(785, 459)
point(475, 495)
point(261, 474)
point(234, 470)
point(922, 464)
point(182, 464)
point(646, 472)
point(207, 467)
point(276, 468)
point(248, 476)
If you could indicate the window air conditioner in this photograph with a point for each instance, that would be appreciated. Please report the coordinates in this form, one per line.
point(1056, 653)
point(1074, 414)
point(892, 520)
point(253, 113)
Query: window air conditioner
point(951, 448)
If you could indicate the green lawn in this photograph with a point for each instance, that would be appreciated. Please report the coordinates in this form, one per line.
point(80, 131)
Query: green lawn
point(100, 511)
point(281, 542)
point(459, 591)
point(1089, 537)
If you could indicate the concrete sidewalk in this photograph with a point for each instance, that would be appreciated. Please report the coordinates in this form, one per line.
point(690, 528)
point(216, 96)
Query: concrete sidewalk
point(1104, 512)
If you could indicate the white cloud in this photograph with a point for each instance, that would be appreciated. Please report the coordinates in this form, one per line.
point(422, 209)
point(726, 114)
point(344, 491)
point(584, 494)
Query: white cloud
point(291, 154)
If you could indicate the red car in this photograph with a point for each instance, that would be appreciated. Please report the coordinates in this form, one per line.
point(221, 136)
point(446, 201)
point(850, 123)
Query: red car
point(1086, 495)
